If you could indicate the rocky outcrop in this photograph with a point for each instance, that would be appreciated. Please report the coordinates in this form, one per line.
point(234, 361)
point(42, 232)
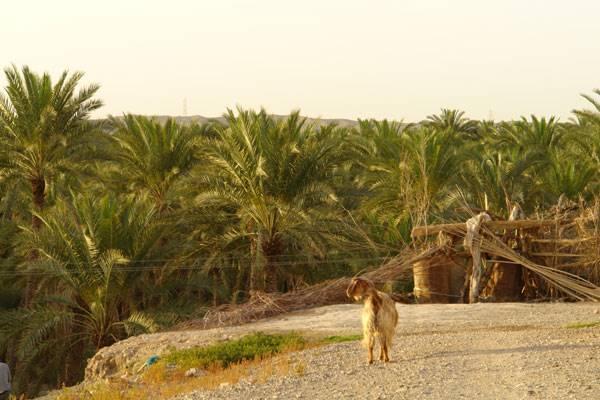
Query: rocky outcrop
point(127, 356)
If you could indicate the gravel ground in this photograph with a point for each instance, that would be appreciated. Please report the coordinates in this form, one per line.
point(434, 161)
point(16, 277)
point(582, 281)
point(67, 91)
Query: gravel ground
point(490, 351)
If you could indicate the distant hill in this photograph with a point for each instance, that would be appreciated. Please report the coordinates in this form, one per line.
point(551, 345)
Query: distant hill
point(199, 119)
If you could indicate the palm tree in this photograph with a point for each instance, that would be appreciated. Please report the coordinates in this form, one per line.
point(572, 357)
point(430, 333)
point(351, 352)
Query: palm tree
point(499, 178)
point(454, 121)
point(83, 296)
point(434, 165)
point(379, 140)
point(585, 131)
point(275, 176)
point(534, 142)
point(592, 116)
point(539, 136)
point(569, 175)
point(409, 174)
point(380, 153)
point(44, 128)
point(153, 156)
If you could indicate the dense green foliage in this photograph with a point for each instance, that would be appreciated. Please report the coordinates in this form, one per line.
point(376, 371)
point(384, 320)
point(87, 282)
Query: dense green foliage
point(114, 227)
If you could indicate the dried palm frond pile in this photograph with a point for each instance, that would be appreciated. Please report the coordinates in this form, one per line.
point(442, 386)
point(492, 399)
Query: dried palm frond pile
point(264, 305)
point(558, 255)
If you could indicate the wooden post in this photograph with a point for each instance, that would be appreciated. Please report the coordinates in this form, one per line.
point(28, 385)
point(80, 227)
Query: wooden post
point(472, 243)
point(475, 287)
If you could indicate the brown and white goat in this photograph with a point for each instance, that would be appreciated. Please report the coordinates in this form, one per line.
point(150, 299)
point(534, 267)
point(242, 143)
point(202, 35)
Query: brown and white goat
point(379, 316)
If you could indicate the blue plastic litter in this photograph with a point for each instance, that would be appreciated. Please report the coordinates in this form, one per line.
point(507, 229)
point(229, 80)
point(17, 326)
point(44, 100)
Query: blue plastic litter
point(151, 360)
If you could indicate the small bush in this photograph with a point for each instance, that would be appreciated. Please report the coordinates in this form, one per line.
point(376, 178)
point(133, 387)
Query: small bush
point(221, 355)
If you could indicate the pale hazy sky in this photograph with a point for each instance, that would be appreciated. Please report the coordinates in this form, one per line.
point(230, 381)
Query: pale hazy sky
point(335, 59)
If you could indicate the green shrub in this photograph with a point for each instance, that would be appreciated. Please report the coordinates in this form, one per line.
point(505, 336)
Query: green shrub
point(257, 345)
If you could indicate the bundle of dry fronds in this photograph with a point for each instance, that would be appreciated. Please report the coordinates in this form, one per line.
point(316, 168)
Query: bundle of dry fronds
point(263, 305)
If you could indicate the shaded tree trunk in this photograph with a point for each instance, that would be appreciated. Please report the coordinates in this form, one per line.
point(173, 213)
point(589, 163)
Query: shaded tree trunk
point(272, 250)
point(254, 261)
point(74, 363)
point(215, 291)
point(238, 285)
point(38, 189)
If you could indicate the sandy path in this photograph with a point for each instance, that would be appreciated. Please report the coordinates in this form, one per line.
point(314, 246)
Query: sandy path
point(491, 351)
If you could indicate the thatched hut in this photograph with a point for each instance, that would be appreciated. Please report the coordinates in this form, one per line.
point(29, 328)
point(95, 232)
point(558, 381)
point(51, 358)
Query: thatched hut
point(549, 258)
point(439, 278)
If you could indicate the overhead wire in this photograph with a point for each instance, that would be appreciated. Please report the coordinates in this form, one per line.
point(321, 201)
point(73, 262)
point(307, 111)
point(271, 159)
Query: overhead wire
point(125, 267)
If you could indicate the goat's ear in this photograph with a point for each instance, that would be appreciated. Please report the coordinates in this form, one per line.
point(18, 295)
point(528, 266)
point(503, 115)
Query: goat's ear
point(351, 287)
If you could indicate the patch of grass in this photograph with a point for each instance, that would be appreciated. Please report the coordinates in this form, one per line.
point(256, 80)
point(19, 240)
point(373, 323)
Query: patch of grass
point(250, 347)
point(256, 358)
point(340, 339)
point(156, 384)
point(579, 325)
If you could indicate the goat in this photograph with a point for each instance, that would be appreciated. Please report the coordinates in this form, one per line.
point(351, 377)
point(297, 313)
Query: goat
point(379, 316)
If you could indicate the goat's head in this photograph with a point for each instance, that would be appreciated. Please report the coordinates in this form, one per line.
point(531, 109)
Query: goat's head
point(359, 288)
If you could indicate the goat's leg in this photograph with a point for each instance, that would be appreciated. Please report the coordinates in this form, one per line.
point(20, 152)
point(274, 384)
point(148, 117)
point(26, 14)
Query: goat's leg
point(370, 345)
point(382, 348)
point(386, 344)
point(386, 357)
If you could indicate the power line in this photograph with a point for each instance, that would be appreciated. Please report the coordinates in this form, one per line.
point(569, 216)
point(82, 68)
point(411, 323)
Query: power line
point(343, 255)
point(188, 267)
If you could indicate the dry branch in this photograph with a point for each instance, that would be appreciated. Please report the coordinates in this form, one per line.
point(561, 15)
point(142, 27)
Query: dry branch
point(563, 242)
point(262, 305)
point(550, 237)
point(421, 231)
point(550, 254)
